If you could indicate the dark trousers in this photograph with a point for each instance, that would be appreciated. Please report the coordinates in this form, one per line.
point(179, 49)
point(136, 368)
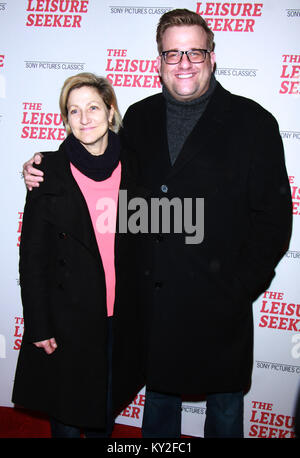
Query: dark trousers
point(59, 430)
point(224, 415)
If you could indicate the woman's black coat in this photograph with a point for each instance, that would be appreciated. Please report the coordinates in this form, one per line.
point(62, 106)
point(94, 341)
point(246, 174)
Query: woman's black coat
point(199, 296)
point(64, 296)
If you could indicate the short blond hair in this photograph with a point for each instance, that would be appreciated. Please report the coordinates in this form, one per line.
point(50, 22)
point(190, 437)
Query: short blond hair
point(104, 88)
point(179, 17)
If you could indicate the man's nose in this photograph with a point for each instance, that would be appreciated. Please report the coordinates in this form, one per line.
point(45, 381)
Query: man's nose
point(185, 63)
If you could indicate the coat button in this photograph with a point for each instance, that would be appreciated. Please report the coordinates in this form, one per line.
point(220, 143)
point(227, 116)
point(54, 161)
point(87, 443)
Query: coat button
point(164, 188)
point(62, 235)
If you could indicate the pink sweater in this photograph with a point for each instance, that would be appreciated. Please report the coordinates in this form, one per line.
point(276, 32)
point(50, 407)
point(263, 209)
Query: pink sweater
point(102, 201)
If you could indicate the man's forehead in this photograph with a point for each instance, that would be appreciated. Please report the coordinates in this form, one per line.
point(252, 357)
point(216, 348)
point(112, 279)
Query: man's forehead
point(184, 32)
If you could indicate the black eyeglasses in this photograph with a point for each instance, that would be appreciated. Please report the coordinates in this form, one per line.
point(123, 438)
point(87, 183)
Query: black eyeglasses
point(195, 56)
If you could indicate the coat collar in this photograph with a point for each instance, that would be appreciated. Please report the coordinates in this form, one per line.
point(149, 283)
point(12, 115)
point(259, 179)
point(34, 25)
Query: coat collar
point(209, 132)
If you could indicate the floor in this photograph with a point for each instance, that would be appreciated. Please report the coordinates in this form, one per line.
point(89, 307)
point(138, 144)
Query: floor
point(21, 423)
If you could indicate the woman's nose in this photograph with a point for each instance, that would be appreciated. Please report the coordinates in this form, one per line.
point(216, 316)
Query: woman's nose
point(84, 118)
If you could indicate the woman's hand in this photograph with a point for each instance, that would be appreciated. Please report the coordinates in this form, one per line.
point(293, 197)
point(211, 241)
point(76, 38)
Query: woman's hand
point(48, 345)
point(33, 176)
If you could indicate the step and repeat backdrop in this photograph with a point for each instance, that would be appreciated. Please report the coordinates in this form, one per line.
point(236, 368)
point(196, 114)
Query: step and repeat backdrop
point(42, 42)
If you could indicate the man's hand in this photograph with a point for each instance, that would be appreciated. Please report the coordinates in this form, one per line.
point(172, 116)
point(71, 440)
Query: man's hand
point(48, 345)
point(33, 176)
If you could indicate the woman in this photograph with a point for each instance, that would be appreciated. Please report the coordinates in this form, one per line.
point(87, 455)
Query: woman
point(72, 284)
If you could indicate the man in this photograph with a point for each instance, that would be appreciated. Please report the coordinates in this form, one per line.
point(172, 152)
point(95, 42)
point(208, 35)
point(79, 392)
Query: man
point(196, 140)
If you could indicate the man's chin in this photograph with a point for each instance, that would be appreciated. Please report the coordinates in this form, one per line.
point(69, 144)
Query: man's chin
point(185, 96)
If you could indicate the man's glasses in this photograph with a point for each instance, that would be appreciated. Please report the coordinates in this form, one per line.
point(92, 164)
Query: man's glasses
point(195, 56)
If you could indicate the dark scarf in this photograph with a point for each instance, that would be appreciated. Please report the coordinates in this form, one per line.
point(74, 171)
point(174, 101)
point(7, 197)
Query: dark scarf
point(98, 168)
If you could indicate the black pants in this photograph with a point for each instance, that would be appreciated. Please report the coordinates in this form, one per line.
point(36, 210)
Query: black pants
point(224, 415)
point(60, 430)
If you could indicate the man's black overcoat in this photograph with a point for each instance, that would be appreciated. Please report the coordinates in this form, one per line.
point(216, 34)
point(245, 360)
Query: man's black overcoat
point(199, 296)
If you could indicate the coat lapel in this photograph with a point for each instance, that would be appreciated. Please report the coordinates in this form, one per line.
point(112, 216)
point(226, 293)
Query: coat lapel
point(154, 164)
point(74, 217)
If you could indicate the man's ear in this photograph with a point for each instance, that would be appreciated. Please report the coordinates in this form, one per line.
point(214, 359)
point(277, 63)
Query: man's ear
point(213, 59)
point(158, 61)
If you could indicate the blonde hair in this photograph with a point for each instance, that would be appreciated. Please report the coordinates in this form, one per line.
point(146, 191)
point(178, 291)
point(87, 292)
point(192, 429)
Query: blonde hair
point(179, 17)
point(105, 90)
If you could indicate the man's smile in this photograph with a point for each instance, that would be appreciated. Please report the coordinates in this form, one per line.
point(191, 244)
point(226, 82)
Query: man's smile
point(185, 75)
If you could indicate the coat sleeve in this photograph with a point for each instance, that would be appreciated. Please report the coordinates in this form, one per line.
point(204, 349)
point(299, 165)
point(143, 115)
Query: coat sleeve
point(34, 268)
point(270, 208)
